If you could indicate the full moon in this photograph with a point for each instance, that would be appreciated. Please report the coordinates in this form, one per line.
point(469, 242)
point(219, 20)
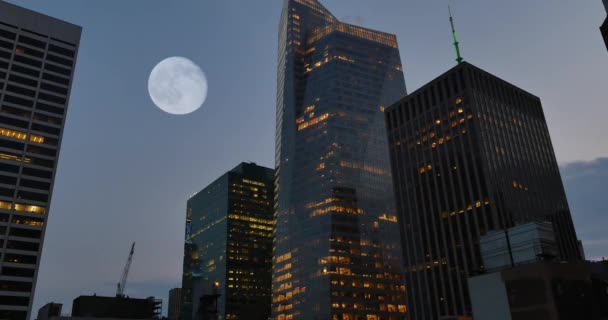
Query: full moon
point(177, 86)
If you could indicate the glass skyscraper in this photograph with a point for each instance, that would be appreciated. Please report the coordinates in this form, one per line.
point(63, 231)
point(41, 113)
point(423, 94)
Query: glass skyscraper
point(337, 249)
point(37, 59)
point(470, 153)
point(229, 245)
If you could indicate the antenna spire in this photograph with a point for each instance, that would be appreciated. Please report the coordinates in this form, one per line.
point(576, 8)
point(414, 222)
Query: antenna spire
point(456, 43)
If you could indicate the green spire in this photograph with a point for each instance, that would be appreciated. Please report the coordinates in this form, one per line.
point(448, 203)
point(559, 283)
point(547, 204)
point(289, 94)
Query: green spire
point(456, 43)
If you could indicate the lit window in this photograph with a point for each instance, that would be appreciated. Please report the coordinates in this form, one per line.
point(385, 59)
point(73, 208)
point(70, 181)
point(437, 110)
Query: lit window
point(14, 158)
point(20, 135)
point(314, 121)
point(29, 208)
point(5, 205)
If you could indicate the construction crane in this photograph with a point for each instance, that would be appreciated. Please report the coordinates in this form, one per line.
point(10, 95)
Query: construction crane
point(120, 290)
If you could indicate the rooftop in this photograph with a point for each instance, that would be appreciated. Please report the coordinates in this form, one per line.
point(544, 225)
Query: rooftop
point(13, 15)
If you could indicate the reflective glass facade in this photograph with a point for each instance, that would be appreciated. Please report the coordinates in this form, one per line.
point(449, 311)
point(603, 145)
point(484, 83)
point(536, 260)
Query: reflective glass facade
point(470, 153)
point(37, 59)
point(229, 241)
point(337, 249)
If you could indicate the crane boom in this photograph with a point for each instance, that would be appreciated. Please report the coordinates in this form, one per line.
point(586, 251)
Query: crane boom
point(120, 290)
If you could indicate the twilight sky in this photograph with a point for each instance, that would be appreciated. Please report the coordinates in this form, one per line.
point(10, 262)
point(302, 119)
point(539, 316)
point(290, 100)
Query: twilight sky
point(127, 169)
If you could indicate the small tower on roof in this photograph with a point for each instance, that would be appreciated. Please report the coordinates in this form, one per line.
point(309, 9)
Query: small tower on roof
point(456, 43)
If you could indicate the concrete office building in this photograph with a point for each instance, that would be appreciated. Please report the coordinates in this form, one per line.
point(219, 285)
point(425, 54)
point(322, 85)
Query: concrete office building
point(470, 153)
point(37, 59)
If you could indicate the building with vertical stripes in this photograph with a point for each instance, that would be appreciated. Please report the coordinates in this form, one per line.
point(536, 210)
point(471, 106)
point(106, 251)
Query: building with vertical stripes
point(37, 59)
point(470, 153)
point(175, 303)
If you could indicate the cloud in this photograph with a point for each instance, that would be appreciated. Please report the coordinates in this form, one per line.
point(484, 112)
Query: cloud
point(586, 183)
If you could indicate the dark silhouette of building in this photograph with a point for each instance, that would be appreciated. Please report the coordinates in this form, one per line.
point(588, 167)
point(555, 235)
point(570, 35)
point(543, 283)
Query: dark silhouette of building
point(191, 275)
point(116, 307)
point(205, 301)
point(337, 254)
point(542, 290)
point(525, 282)
point(470, 153)
point(49, 311)
point(175, 302)
point(229, 242)
point(599, 282)
point(604, 27)
point(37, 59)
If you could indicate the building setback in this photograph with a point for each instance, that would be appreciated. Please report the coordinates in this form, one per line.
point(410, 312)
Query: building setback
point(337, 253)
point(229, 245)
point(470, 153)
point(37, 59)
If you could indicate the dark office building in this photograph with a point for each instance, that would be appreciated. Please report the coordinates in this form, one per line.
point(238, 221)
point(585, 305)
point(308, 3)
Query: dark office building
point(229, 245)
point(604, 27)
point(470, 153)
point(524, 282)
point(37, 58)
point(599, 283)
point(543, 290)
point(49, 311)
point(116, 307)
point(175, 303)
point(337, 254)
